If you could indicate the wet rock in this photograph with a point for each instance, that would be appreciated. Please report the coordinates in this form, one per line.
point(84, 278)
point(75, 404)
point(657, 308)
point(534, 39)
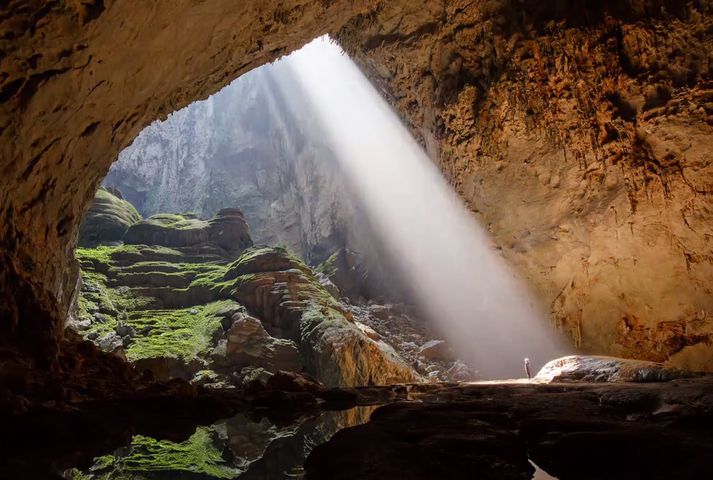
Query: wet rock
point(293, 382)
point(251, 374)
point(211, 379)
point(583, 368)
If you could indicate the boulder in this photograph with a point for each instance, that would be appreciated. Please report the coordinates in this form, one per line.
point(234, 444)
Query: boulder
point(583, 368)
point(328, 285)
point(107, 220)
point(249, 344)
point(293, 382)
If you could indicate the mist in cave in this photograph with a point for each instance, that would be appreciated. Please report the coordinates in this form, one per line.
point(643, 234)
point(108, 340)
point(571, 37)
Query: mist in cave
point(440, 249)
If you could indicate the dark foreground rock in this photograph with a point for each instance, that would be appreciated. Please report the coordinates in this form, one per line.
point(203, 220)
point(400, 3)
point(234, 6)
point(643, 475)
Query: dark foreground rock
point(581, 431)
point(427, 431)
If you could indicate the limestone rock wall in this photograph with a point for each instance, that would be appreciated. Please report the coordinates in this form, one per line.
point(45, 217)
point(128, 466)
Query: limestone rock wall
point(581, 133)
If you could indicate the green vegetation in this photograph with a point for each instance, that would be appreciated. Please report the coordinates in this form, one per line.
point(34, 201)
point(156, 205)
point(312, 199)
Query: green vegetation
point(186, 221)
point(197, 456)
point(102, 255)
point(173, 308)
point(328, 266)
point(185, 334)
point(262, 258)
point(104, 306)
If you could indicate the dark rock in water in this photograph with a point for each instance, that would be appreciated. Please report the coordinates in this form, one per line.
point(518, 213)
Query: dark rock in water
point(107, 219)
point(227, 230)
point(494, 432)
point(293, 382)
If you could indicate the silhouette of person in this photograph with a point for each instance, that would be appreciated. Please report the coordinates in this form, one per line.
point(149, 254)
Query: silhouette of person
point(527, 368)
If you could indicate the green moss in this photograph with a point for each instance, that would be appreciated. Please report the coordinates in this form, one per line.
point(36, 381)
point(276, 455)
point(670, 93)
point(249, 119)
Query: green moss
point(146, 457)
point(328, 266)
point(281, 259)
point(178, 333)
point(103, 255)
point(179, 279)
point(96, 297)
point(317, 319)
point(177, 222)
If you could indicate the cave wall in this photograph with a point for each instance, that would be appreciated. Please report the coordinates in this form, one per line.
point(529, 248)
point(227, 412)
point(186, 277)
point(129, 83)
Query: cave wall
point(579, 130)
point(581, 133)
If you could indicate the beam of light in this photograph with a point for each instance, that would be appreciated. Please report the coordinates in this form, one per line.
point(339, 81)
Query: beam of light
point(486, 313)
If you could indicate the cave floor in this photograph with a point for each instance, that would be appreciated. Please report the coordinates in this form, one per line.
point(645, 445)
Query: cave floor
point(488, 430)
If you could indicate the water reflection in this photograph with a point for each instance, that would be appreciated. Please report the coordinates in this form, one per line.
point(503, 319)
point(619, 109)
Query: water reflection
point(238, 447)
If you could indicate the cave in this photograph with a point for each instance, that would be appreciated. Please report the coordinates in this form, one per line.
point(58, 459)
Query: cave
point(578, 134)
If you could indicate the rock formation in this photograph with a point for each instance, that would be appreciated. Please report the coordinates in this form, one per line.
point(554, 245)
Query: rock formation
point(107, 220)
point(172, 299)
point(578, 368)
point(227, 230)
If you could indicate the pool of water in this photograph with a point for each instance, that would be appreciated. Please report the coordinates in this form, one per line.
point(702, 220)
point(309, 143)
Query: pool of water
point(234, 448)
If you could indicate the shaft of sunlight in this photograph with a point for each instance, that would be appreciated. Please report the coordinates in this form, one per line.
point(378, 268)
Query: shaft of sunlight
point(485, 311)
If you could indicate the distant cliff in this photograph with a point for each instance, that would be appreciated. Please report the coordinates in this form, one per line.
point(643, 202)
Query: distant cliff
point(254, 144)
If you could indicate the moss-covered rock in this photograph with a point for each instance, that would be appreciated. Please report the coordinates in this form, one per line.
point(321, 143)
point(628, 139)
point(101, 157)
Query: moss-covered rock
point(227, 231)
point(281, 290)
point(169, 311)
point(107, 220)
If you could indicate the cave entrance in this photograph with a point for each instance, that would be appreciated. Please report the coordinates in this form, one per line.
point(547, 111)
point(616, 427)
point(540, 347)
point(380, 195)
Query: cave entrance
point(304, 159)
